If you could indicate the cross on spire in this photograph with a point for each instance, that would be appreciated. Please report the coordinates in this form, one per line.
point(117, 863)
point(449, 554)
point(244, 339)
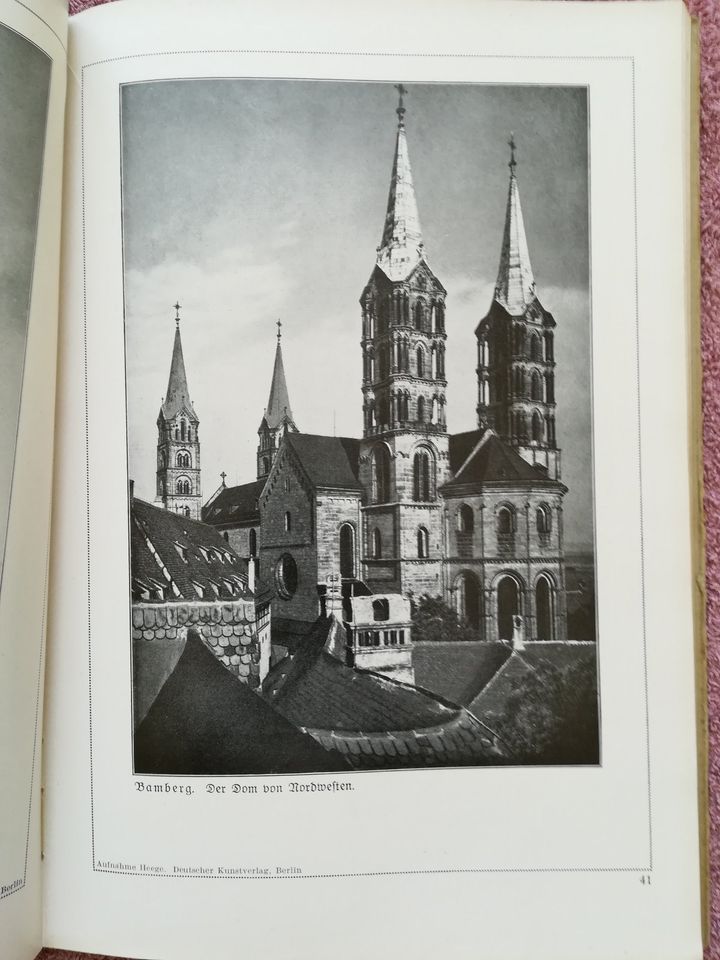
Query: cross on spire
point(176, 308)
point(278, 324)
point(513, 148)
point(223, 475)
point(401, 106)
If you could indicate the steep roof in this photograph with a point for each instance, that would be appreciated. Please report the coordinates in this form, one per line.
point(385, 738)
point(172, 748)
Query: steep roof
point(401, 246)
point(457, 669)
point(278, 405)
point(328, 461)
point(373, 720)
point(205, 721)
point(515, 287)
point(487, 460)
point(235, 505)
point(177, 395)
point(171, 553)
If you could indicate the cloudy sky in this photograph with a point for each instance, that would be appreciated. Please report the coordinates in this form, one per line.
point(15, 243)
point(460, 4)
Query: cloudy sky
point(24, 87)
point(251, 200)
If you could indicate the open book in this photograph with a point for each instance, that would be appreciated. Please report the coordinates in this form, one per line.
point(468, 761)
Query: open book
point(371, 589)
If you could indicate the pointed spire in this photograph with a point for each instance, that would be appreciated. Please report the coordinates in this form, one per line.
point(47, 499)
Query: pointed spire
point(278, 406)
point(177, 395)
point(401, 247)
point(515, 288)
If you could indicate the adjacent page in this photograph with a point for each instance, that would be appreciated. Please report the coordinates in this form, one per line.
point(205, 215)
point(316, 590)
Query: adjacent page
point(32, 94)
point(417, 630)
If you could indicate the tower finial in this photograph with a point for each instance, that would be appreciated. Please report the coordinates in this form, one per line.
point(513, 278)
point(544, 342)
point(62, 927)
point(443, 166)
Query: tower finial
point(401, 106)
point(176, 307)
point(223, 476)
point(513, 147)
point(278, 324)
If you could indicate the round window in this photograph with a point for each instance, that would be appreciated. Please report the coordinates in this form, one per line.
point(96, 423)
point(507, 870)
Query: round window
point(286, 576)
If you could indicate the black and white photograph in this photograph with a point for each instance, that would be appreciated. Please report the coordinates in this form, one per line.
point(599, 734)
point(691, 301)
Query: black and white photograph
point(359, 425)
point(24, 90)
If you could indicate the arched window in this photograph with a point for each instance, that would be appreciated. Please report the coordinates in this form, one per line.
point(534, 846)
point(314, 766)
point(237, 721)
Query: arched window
point(537, 427)
point(380, 474)
point(423, 543)
point(550, 387)
point(347, 551)
point(252, 544)
point(421, 409)
point(535, 348)
point(265, 465)
point(286, 576)
point(183, 486)
point(505, 521)
point(549, 346)
point(536, 390)
point(423, 479)
point(420, 358)
point(440, 317)
point(543, 519)
point(381, 609)
point(288, 521)
point(183, 429)
point(183, 459)
point(465, 519)
point(376, 544)
point(418, 316)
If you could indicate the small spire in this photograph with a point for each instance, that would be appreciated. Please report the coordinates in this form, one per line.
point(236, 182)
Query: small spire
point(400, 107)
point(513, 147)
point(177, 394)
point(278, 405)
point(401, 246)
point(515, 287)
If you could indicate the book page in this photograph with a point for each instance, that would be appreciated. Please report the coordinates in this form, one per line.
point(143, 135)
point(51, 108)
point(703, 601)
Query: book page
point(372, 575)
point(32, 92)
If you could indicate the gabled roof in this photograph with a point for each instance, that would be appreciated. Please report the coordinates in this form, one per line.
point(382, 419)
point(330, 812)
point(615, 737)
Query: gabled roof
point(177, 396)
point(205, 721)
point(234, 505)
point(401, 246)
point(374, 720)
point(327, 461)
point(487, 460)
point(515, 287)
point(278, 405)
point(171, 553)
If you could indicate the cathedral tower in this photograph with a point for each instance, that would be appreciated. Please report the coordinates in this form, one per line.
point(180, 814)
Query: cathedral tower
point(178, 446)
point(277, 418)
point(404, 451)
point(516, 366)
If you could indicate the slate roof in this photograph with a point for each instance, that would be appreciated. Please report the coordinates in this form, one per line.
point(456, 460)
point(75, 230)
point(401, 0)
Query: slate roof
point(235, 505)
point(375, 721)
point(515, 286)
point(493, 460)
point(170, 553)
point(278, 405)
point(205, 721)
point(401, 246)
point(327, 461)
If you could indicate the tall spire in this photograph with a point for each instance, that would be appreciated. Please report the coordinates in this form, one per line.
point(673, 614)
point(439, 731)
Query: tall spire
point(177, 395)
point(515, 287)
point(278, 405)
point(401, 247)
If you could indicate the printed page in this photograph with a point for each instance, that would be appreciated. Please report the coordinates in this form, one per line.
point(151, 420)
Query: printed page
point(372, 577)
point(32, 93)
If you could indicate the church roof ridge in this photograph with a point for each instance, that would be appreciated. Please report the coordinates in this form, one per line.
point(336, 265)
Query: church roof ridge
point(401, 246)
point(515, 287)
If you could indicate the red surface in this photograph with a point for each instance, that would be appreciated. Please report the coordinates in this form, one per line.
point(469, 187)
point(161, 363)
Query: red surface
point(709, 13)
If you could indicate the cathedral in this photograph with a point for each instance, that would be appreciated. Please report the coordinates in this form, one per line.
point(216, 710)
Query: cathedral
point(363, 525)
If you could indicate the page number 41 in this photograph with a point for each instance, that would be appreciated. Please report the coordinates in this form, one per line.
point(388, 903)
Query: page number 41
point(645, 879)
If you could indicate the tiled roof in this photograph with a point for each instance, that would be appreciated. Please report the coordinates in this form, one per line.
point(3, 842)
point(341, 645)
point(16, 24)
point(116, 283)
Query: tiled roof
point(372, 719)
point(492, 460)
point(235, 505)
point(171, 553)
point(327, 461)
point(457, 670)
point(205, 721)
